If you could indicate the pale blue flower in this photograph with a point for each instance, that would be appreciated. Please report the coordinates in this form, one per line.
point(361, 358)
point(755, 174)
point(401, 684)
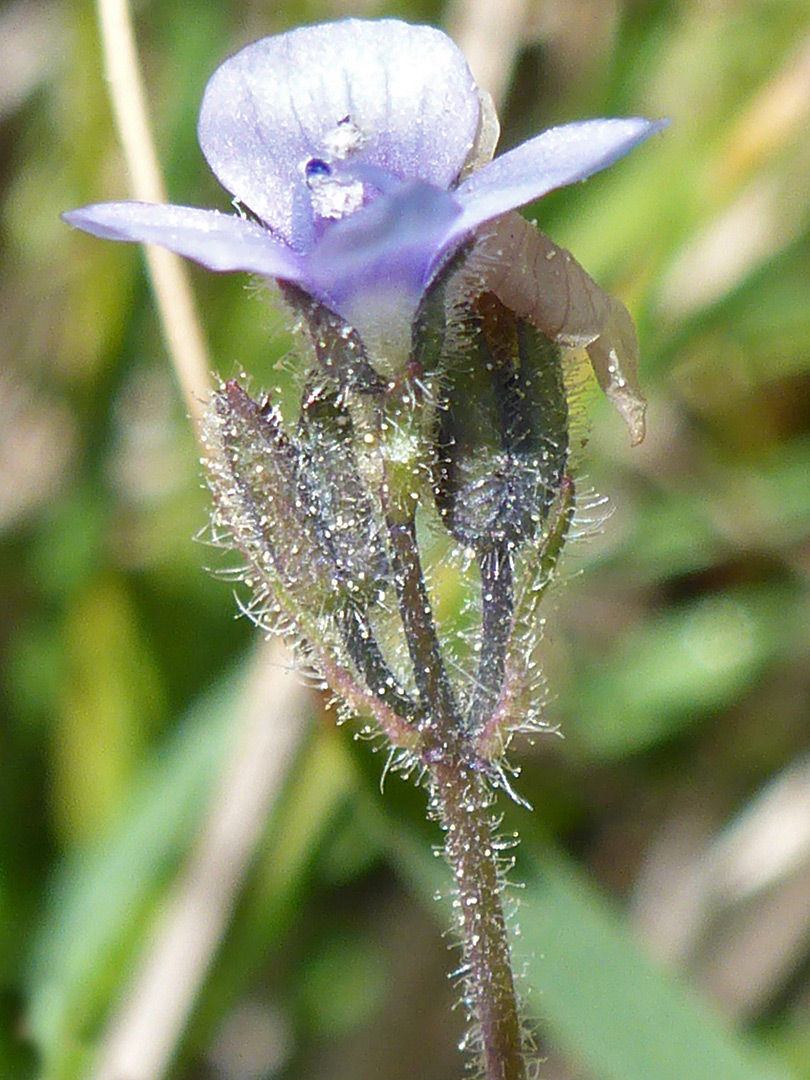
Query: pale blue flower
point(344, 146)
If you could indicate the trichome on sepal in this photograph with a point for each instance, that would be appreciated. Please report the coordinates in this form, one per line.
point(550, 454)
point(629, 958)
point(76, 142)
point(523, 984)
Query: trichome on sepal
point(472, 435)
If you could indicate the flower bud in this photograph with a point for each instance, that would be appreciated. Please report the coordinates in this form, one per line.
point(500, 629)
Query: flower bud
point(350, 518)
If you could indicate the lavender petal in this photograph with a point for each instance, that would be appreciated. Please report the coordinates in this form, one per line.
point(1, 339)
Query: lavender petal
point(560, 156)
point(220, 242)
point(273, 106)
point(390, 243)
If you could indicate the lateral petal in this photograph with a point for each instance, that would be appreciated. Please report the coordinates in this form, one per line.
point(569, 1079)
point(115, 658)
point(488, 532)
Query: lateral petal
point(558, 157)
point(220, 242)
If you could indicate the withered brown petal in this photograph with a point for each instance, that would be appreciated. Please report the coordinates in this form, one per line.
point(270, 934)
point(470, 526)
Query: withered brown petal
point(545, 285)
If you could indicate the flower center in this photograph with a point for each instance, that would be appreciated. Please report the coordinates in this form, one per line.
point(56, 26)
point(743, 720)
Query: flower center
point(333, 195)
point(335, 190)
point(344, 140)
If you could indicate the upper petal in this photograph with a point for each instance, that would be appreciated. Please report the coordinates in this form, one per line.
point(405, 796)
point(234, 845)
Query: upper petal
point(218, 241)
point(559, 156)
point(274, 105)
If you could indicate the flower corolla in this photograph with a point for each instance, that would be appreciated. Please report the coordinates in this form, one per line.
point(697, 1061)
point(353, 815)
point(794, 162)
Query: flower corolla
point(357, 154)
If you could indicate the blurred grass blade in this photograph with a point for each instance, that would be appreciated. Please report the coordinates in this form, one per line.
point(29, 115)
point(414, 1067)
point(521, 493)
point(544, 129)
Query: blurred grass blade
point(269, 723)
point(605, 1003)
point(103, 901)
point(99, 900)
point(694, 659)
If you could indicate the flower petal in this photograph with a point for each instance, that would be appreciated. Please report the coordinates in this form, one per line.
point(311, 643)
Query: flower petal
point(218, 241)
point(560, 156)
point(486, 138)
point(372, 267)
point(394, 240)
point(614, 359)
point(545, 285)
point(273, 106)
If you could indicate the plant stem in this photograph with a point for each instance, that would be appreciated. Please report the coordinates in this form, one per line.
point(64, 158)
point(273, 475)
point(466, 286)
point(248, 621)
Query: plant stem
point(430, 675)
point(497, 603)
point(461, 800)
point(365, 654)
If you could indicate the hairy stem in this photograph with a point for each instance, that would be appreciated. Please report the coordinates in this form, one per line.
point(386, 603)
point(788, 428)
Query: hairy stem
point(461, 801)
point(497, 602)
point(430, 675)
point(365, 653)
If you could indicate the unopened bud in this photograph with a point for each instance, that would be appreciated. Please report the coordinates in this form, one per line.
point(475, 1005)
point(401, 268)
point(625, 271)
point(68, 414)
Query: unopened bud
point(348, 517)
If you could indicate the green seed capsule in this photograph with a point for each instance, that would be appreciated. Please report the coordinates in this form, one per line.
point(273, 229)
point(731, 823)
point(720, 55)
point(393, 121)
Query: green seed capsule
point(501, 441)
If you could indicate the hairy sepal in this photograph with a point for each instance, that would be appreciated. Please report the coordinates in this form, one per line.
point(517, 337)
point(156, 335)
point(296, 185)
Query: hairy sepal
point(500, 453)
point(502, 429)
point(300, 530)
point(313, 555)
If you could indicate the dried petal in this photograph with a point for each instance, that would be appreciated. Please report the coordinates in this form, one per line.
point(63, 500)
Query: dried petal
point(614, 359)
point(544, 284)
point(486, 138)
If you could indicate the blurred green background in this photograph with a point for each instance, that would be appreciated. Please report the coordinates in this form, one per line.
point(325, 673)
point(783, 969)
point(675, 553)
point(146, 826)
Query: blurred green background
point(665, 919)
